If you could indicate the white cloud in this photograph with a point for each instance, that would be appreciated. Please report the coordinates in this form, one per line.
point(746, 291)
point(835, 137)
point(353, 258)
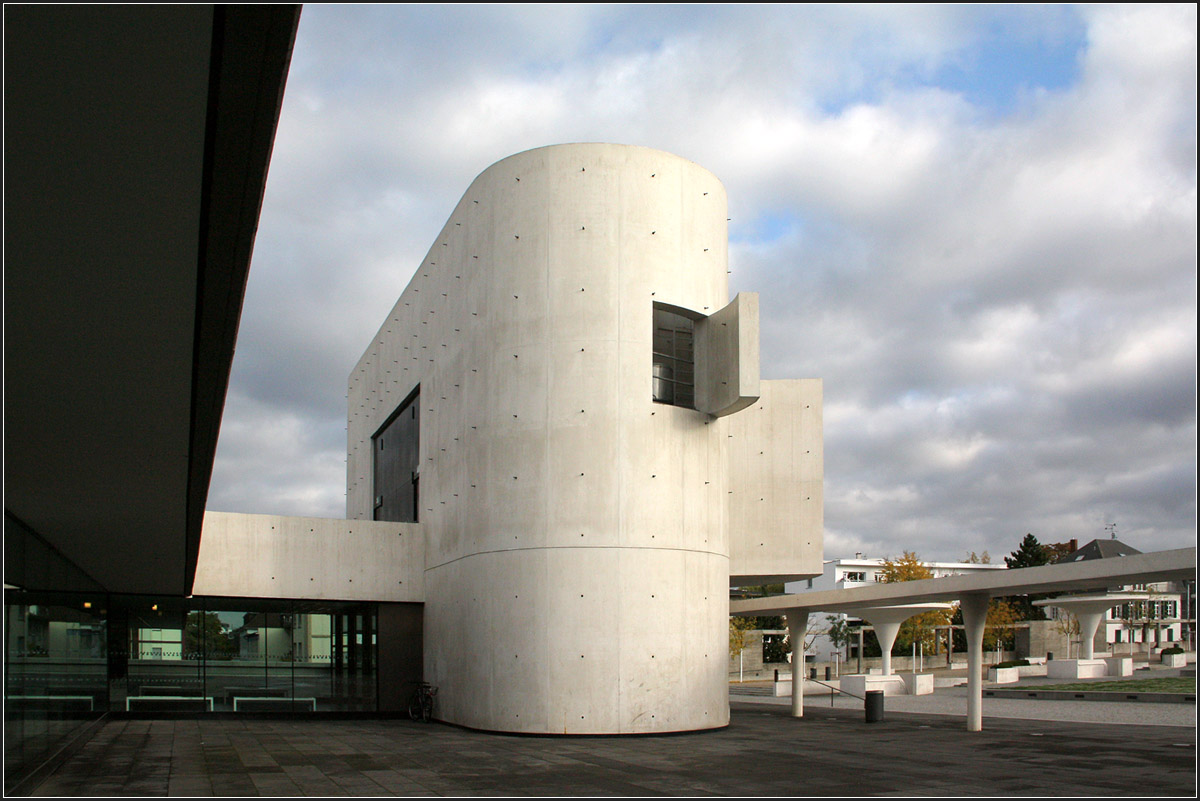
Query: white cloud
point(997, 294)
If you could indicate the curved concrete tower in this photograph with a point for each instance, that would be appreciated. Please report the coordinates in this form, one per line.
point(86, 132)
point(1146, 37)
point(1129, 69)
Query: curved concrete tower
point(577, 554)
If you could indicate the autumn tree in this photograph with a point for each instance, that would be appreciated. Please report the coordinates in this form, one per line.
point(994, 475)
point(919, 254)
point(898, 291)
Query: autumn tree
point(918, 629)
point(1001, 614)
point(739, 628)
point(1057, 550)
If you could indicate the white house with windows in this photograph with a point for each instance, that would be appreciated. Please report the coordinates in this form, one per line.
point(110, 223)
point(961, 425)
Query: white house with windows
point(1136, 625)
point(839, 574)
point(1153, 622)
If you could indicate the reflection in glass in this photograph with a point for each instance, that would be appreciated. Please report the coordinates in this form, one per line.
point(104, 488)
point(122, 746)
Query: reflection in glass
point(674, 362)
point(55, 668)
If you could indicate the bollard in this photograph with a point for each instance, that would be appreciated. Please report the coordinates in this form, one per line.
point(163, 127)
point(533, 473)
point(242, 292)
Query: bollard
point(776, 674)
point(874, 706)
point(828, 671)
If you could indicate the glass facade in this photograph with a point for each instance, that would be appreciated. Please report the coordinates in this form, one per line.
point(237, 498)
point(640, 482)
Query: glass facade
point(70, 657)
point(55, 668)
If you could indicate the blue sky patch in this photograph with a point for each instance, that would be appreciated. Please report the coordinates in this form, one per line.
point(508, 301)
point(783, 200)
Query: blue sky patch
point(768, 227)
point(1004, 66)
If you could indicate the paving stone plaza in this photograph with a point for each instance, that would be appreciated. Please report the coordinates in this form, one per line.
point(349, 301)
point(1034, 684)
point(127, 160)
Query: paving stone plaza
point(763, 752)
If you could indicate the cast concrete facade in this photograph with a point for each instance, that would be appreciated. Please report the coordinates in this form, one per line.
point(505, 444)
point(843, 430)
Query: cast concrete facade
point(579, 536)
point(272, 556)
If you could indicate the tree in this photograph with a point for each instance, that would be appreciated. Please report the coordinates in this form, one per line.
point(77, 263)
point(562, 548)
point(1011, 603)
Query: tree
point(205, 634)
point(1068, 624)
point(839, 632)
point(1030, 553)
point(1001, 615)
point(908, 567)
point(1057, 550)
point(739, 627)
point(997, 626)
point(918, 629)
point(776, 648)
point(842, 634)
point(978, 559)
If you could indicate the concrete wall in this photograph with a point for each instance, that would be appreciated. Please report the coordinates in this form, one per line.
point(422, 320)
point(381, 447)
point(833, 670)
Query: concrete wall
point(577, 530)
point(269, 556)
point(401, 662)
point(1041, 637)
point(577, 555)
point(727, 369)
point(776, 480)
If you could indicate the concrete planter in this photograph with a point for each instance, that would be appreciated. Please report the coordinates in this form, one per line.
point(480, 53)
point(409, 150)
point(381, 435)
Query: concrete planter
point(1077, 669)
point(1007, 675)
point(1119, 665)
point(918, 683)
point(1174, 660)
point(858, 684)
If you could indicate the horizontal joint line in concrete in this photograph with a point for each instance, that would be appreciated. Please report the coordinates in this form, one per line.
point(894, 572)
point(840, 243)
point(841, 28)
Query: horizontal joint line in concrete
point(575, 548)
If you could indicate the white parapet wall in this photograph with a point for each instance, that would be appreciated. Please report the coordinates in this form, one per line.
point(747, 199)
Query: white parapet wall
point(776, 479)
point(271, 556)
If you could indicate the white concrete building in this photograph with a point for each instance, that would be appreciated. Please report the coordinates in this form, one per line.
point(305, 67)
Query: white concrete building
point(838, 574)
point(566, 404)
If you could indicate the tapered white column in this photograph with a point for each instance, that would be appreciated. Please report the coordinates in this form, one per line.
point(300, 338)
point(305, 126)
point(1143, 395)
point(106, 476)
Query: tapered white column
point(1089, 621)
point(797, 623)
point(974, 612)
point(886, 620)
point(886, 634)
point(1090, 610)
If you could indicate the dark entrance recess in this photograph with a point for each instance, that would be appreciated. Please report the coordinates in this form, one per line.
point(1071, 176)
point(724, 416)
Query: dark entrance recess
point(396, 463)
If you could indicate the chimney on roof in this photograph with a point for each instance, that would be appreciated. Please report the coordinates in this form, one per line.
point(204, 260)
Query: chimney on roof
point(858, 555)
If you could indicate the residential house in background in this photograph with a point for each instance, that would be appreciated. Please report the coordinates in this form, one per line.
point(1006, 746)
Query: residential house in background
point(1135, 626)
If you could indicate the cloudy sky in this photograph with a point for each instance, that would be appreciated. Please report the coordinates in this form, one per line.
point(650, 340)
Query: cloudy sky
point(977, 224)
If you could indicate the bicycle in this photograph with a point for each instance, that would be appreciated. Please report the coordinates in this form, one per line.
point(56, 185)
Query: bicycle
point(421, 706)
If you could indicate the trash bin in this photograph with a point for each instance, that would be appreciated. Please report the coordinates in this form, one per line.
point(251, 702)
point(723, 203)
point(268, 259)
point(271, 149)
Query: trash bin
point(1049, 656)
point(874, 706)
point(828, 673)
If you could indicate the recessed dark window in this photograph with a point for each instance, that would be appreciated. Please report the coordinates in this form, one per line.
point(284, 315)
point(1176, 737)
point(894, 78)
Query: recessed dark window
point(674, 364)
point(397, 463)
